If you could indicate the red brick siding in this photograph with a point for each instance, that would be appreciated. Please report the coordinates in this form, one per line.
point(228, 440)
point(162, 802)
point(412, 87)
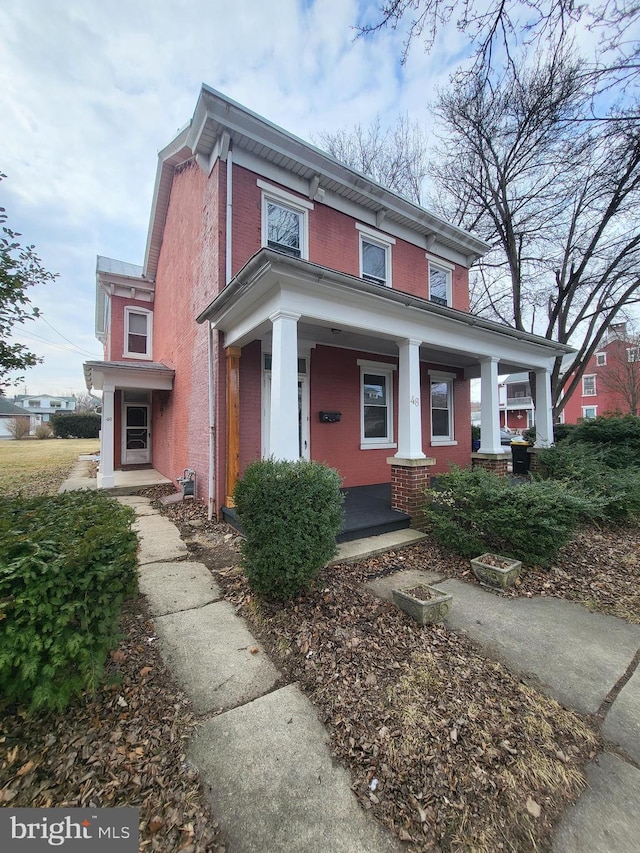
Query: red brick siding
point(118, 304)
point(188, 277)
point(250, 405)
point(334, 242)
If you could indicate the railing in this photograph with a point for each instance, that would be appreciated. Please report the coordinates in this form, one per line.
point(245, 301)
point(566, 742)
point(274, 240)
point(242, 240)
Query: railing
point(515, 402)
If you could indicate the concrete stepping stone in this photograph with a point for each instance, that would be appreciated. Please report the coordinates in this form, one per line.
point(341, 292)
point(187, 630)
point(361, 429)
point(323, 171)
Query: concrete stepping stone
point(210, 651)
point(274, 786)
point(172, 587)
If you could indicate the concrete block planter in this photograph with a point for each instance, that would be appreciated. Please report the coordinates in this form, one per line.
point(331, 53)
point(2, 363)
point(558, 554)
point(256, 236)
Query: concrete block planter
point(495, 571)
point(423, 603)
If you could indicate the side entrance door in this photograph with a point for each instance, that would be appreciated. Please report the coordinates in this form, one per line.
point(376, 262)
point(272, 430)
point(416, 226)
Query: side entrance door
point(136, 438)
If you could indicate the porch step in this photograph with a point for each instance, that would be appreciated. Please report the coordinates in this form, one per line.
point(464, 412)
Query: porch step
point(367, 511)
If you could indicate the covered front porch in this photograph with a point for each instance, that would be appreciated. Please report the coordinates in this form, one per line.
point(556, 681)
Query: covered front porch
point(286, 313)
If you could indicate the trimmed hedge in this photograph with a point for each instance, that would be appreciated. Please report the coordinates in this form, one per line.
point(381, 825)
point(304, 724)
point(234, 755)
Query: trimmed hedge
point(75, 424)
point(291, 514)
point(472, 511)
point(66, 565)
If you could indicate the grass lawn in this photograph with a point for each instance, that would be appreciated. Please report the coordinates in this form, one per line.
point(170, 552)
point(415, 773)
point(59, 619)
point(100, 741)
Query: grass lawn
point(35, 467)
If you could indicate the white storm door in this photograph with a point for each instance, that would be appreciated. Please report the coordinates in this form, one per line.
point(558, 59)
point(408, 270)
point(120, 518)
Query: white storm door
point(136, 438)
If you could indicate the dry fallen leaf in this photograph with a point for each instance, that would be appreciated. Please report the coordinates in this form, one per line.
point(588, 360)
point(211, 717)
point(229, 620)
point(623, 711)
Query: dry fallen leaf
point(254, 650)
point(533, 808)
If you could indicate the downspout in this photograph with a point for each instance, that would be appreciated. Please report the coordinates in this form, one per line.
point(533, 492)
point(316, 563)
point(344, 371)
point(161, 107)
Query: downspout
point(210, 348)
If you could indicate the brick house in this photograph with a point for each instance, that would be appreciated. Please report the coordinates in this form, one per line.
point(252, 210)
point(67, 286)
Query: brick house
point(611, 380)
point(289, 306)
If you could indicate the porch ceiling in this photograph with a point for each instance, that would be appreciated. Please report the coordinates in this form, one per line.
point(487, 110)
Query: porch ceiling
point(126, 374)
point(346, 311)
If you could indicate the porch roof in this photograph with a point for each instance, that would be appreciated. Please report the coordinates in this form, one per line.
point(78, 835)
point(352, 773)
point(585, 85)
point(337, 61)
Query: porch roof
point(342, 310)
point(152, 375)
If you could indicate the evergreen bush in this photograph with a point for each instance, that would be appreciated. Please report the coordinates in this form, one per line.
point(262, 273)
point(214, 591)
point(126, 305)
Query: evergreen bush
point(291, 514)
point(474, 510)
point(75, 424)
point(66, 565)
point(594, 471)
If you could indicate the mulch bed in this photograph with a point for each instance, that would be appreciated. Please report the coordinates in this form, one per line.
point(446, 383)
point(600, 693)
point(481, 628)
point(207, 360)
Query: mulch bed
point(125, 746)
point(445, 747)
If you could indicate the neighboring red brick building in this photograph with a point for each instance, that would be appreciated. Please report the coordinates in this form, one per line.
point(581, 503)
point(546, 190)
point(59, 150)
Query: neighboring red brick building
point(611, 381)
point(290, 306)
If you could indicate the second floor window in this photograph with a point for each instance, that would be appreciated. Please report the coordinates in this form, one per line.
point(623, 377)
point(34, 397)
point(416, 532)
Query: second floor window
point(137, 333)
point(589, 386)
point(440, 283)
point(374, 261)
point(632, 355)
point(284, 229)
point(285, 220)
point(601, 359)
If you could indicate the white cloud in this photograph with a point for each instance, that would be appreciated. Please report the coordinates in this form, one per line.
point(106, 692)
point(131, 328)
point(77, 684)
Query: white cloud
point(90, 91)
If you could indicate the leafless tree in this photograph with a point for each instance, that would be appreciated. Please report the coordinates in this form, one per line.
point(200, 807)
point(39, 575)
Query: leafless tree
point(394, 157)
point(499, 29)
point(85, 403)
point(556, 198)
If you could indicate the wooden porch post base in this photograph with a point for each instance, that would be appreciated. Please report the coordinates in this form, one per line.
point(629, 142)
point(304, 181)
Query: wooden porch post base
point(409, 479)
point(496, 462)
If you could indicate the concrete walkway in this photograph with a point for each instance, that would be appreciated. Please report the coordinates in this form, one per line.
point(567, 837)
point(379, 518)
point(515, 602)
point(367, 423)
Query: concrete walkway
point(262, 753)
point(264, 756)
point(588, 662)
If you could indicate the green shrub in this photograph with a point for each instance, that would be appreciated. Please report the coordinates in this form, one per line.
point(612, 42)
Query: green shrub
point(586, 469)
point(75, 424)
point(291, 514)
point(66, 565)
point(617, 435)
point(473, 510)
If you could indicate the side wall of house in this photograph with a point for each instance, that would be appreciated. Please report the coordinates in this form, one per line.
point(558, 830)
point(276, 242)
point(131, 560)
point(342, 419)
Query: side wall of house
point(187, 279)
point(118, 304)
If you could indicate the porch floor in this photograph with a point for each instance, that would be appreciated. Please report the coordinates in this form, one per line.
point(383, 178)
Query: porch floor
point(127, 482)
point(367, 512)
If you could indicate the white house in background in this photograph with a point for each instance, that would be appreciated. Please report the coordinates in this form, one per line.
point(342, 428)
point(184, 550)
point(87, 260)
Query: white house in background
point(42, 406)
point(515, 402)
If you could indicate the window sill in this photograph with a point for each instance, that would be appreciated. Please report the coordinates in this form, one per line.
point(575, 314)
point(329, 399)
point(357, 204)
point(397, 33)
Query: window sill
point(140, 356)
point(379, 445)
point(444, 442)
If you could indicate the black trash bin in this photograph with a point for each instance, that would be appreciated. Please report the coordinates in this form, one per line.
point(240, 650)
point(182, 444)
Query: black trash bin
point(520, 456)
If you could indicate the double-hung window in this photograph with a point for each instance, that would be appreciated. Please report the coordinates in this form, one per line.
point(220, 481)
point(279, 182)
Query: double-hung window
point(632, 355)
point(375, 255)
point(440, 273)
point(285, 221)
point(441, 392)
point(376, 404)
point(589, 385)
point(137, 332)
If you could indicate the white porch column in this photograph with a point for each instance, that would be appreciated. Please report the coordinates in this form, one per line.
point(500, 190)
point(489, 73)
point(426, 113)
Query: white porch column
point(544, 409)
point(106, 478)
point(284, 438)
point(489, 410)
point(409, 405)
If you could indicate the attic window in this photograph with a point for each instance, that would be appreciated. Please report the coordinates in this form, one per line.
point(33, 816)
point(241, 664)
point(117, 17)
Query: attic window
point(440, 274)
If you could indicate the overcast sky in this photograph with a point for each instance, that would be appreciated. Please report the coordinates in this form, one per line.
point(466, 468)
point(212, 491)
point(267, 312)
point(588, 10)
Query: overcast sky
point(90, 90)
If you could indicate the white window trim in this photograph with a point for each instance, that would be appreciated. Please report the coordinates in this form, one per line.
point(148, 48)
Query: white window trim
point(148, 356)
point(593, 393)
point(442, 266)
point(595, 409)
point(377, 238)
point(449, 378)
point(601, 359)
point(633, 355)
point(387, 369)
point(301, 206)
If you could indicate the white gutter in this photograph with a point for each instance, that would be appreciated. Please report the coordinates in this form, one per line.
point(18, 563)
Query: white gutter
point(212, 423)
point(210, 347)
